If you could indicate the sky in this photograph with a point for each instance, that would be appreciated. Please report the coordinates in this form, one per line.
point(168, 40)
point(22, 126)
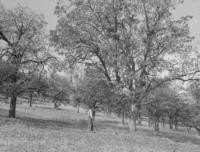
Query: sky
point(46, 7)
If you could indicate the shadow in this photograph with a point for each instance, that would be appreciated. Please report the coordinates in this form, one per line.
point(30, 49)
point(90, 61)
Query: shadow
point(42, 123)
point(54, 124)
point(174, 136)
point(114, 125)
point(83, 125)
point(109, 122)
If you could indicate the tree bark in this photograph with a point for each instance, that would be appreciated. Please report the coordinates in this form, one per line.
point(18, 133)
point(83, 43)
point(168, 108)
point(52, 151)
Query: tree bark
point(198, 130)
point(78, 108)
point(134, 116)
point(123, 118)
point(175, 123)
point(30, 99)
point(139, 118)
point(91, 117)
point(189, 128)
point(56, 105)
point(91, 124)
point(7, 94)
point(13, 102)
point(135, 122)
point(156, 124)
point(163, 122)
point(170, 123)
point(149, 122)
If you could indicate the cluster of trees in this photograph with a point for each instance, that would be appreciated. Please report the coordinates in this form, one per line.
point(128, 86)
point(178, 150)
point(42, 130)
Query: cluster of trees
point(131, 52)
point(25, 59)
point(130, 45)
point(23, 52)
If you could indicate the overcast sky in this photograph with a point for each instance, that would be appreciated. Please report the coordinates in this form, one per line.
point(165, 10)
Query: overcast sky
point(46, 7)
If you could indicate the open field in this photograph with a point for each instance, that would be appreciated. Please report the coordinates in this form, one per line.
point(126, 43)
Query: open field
point(44, 129)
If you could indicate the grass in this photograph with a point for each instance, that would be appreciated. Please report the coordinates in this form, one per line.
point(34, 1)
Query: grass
point(44, 129)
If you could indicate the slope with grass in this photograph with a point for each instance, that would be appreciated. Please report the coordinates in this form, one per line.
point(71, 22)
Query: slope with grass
point(44, 129)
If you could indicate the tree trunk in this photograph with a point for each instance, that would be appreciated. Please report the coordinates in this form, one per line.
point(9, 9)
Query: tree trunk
point(78, 108)
point(44, 99)
point(56, 105)
point(139, 115)
point(118, 113)
point(139, 118)
point(91, 116)
point(7, 94)
point(163, 122)
point(135, 122)
point(170, 123)
point(123, 118)
point(91, 124)
point(149, 122)
point(175, 123)
point(198, 130)
point(134, 116)
point(156, 124)
point(12, 109)
point(30, 99)
point(189, 128)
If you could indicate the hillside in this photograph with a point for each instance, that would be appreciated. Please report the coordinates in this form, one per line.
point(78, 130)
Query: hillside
point(44, 129)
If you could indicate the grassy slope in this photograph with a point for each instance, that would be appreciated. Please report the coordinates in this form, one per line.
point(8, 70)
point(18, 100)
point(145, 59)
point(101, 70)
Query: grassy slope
point(43, 129)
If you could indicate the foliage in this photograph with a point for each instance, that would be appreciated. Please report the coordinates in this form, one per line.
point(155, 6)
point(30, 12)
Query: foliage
point(23, 47)
point(128, 42)
point(95, 93)
point(195, 90)
point(59, 89)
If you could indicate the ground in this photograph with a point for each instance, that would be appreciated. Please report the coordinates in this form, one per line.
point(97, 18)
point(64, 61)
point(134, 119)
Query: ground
point(45, 129)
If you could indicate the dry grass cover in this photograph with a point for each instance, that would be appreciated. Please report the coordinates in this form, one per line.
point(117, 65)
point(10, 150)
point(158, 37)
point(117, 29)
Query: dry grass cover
point(42, 129)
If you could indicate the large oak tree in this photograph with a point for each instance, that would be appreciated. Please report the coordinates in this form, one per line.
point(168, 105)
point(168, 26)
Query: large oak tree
point(22, 38)
point(130, 42)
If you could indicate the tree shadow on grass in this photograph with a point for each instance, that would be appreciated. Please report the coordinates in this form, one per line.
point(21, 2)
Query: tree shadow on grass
point(29, 121)
point(113, 125)
point(174, 136)
point(54, 124)
point(43, 123)
point(100, 125)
